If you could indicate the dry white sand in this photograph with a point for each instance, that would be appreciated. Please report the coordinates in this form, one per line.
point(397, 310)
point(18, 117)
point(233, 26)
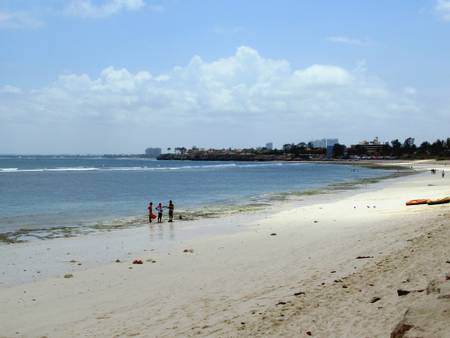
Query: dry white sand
point(305, 280)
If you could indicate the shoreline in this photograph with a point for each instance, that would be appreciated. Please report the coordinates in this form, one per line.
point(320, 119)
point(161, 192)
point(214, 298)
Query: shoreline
point(123, 243)
point(247, 275)
point(264, 202)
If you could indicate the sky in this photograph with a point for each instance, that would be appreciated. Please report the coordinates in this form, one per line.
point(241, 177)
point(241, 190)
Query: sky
point(117, 76)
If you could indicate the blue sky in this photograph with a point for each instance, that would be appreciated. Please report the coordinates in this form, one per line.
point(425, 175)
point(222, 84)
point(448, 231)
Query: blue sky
point(120, 75)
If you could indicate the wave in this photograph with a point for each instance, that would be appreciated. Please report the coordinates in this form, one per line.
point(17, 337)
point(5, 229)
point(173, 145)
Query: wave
point(185, 167)
point(16, 170)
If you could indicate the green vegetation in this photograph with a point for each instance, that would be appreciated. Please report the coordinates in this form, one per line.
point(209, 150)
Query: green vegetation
point(440, 149)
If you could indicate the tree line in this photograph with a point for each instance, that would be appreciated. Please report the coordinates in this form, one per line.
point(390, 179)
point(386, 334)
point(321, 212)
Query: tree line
point(292, 151)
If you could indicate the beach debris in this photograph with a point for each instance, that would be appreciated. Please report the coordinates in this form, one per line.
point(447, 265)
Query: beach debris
point(316, 221)
point(73, 261)
point(447, 276)
point(344, 286)
point(308, 333)
point(401, 292)
point(117, 261)
point(448, 261)
point(281, 303)
point(130, 267)
point(375, 299)
point(400, 330)
point(150, 260)
point(138, 261)
point(79, 263)
point(68, 275)
point(363, 257)
point(188, 250)
point(334, 271)
point(299, 293)
point(433, 287)
point(273, 234)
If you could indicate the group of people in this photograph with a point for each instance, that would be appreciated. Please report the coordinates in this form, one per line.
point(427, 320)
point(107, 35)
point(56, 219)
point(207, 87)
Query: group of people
point(160, 209)
point(433, 171)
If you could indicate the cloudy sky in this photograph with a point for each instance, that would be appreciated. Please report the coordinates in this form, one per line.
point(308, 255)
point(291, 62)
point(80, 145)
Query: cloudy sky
point(116, 76)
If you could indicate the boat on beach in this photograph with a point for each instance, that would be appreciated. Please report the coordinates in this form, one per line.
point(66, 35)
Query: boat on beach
point(417, 201)
point(439, 201)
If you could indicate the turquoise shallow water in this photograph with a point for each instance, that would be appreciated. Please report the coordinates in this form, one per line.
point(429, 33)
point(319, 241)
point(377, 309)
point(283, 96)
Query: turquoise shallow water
point(48, 192)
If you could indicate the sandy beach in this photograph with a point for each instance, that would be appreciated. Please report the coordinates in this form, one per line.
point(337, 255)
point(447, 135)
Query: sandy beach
point(328, 267)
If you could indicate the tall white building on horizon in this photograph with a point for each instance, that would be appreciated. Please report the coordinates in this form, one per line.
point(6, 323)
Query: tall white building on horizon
point(325, 142)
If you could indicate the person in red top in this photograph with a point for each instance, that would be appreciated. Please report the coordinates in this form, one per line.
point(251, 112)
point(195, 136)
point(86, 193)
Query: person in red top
point(150, 212)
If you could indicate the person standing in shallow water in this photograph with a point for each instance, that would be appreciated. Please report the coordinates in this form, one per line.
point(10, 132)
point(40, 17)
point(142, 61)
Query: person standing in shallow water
point(150, 211)
point(159, 209)
point(171, 208)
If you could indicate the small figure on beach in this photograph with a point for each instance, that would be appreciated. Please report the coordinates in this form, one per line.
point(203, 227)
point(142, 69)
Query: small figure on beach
point(443, 174)
point(433, 171)
point(150, 212)
point(171, 208)
point(160, 209)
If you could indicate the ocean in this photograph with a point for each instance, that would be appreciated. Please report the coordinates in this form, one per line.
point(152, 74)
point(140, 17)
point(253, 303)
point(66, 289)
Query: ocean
point(54, 196)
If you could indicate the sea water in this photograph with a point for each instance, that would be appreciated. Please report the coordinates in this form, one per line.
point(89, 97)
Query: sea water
point(46, 192)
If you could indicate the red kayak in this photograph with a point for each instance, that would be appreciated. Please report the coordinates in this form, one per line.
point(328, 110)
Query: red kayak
point(417, 202)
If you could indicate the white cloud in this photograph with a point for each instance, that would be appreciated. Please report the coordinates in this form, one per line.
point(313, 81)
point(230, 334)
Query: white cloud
point(85, 8)
point(16, 20)
point(349, 41)
point(442, 7)
point(8, 89)
point(233, 97)
point(410, 90)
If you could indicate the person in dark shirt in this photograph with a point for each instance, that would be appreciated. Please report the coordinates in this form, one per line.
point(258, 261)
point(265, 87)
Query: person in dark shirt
point(171, 208)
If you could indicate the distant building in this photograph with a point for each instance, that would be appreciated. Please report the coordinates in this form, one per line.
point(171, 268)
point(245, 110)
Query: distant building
point(324, 143)
point(269, 146)
point(153, 152)
point(372, 148)
point(330, 151)
point(374, 142)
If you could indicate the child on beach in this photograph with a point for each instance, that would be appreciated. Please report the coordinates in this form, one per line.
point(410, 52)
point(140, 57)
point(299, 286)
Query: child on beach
point(159, 208)
point(171, 208)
